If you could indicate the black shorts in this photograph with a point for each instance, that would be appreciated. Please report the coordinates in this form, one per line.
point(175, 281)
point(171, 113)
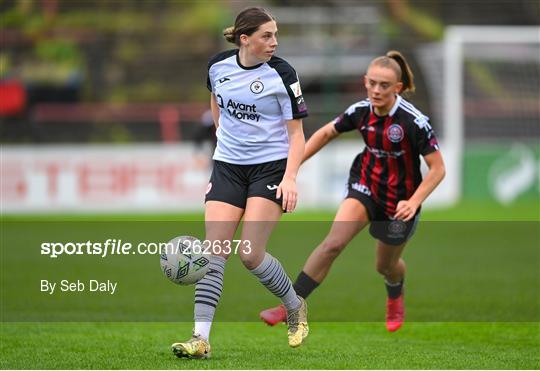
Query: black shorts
point(234, 184)
point(389, 231)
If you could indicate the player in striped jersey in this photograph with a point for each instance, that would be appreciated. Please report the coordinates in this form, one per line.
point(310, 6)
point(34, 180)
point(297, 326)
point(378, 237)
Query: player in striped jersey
point(257, 107)
point(385, 187)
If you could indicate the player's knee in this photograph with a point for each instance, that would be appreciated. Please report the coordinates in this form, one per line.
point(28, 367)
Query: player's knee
point(383, 268)
point(333, 247)
point(251, 261)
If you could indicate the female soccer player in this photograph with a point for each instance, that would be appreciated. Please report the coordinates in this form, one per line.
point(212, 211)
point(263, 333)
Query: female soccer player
point(385, 186)
point(257, 107)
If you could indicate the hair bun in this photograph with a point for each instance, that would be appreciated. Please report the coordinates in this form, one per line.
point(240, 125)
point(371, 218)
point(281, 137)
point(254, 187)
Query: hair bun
point(228, 33)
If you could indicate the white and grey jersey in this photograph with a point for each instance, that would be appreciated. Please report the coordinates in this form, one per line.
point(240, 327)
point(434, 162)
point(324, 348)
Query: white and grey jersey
point(255, 103)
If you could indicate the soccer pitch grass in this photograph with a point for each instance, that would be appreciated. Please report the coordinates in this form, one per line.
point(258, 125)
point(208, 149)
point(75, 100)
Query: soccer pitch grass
point(473, 298)
point(256, 346)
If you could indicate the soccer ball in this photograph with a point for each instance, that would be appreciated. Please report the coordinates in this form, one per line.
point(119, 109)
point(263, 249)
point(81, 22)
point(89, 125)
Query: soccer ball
point(182, 260)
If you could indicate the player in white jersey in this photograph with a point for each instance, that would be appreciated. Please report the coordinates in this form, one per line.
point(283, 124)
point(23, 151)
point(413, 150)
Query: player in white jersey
point(257, 107)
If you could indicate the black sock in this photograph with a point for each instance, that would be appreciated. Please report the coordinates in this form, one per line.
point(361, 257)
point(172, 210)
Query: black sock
point(304, 285)
point(394, 290)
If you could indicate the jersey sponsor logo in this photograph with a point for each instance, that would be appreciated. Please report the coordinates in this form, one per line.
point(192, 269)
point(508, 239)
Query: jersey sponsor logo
point(221, 81)
point(272, 187)
point(256, 87)
point(368, 128)
point(295, 87)
point(361, 188)
point(395, 133)
point(239, 110)
point(379, 153)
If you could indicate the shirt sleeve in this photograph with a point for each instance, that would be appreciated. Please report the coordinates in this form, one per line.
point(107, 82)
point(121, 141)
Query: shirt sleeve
point(213, 60)
point(298, 104)
point(208, 84)
point(426, 141)
point(345, 122)
point(208, 79)
point(291, 101)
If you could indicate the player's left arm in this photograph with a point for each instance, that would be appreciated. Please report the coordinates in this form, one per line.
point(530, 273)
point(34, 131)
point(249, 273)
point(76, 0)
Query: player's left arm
point(287, 187)
point(406, 209)
point(215, 109)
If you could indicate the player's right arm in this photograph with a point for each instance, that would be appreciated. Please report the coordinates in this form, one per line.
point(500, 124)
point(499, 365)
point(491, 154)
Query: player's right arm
point(347, 121)
point(319, 139)
point(215, 109)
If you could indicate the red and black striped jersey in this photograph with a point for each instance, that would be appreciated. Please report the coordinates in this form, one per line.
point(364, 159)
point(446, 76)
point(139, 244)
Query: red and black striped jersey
point(388, 169)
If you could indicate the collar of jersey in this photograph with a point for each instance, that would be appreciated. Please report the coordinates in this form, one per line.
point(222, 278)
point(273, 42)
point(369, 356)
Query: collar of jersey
point(392, 110)
point(243, 67)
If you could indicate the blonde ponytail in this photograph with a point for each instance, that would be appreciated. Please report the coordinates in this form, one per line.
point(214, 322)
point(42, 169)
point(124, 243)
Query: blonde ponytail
point(407, 77)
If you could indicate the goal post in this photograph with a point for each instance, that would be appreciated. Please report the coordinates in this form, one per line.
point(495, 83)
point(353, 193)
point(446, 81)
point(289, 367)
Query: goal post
point(498, 50)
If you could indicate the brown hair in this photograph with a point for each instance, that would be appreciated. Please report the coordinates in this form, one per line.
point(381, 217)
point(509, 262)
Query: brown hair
point(397, 62)
point(246, 23)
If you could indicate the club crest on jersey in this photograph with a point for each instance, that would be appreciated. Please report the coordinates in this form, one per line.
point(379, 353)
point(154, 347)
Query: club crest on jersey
point(395, 133)
point(256, 87)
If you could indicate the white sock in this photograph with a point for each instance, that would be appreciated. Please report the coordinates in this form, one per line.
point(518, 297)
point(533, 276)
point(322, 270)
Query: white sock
point(202, 329)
